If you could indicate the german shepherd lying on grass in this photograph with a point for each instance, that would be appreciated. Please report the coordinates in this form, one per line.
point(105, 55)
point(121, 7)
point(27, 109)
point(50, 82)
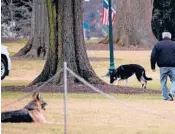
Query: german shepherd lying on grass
point(30, 113)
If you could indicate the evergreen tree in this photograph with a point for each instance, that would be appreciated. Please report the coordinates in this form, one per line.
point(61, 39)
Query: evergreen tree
point(163, 18)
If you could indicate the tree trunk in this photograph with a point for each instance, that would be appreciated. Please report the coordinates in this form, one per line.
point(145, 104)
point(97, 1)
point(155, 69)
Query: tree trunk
point(132, 25)
point(38, 43)
point(66, 43)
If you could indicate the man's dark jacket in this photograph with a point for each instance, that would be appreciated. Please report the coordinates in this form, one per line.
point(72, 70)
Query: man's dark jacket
point(163, 54)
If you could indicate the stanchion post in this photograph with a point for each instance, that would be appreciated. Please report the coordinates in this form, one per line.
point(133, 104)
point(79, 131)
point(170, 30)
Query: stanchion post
point(65, 98)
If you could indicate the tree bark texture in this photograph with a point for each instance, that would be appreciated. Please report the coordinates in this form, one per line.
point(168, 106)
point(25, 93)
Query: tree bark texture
point(132, 25)
point(66, 42)
point(38, 43)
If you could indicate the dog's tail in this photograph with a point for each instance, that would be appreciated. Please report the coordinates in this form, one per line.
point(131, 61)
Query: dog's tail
point(145, 77)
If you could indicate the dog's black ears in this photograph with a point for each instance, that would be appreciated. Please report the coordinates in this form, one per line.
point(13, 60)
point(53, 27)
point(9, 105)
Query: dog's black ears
point(111, 72)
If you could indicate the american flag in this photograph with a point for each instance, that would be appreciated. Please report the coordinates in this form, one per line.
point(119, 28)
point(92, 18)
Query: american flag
point(105, 15)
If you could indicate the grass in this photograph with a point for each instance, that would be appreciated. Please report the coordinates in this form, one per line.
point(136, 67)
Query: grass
point(13, 95)
point(94, 114)
point(127, 57)
point(89, 42)
point(24, 71)
point(14, 47)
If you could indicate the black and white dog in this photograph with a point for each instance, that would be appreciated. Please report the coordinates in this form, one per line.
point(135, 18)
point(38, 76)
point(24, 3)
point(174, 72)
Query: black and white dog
point(123, 72)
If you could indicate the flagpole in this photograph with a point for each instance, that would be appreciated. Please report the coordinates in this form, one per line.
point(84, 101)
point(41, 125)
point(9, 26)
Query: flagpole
point(111, 49)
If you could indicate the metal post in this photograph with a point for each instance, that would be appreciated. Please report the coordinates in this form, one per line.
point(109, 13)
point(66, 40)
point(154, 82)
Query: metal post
point(65, 98)
point(112, 66)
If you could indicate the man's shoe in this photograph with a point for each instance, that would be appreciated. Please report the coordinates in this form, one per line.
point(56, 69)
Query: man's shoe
point(170, 97)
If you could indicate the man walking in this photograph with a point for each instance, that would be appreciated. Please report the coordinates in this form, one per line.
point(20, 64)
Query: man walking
point(163, 54)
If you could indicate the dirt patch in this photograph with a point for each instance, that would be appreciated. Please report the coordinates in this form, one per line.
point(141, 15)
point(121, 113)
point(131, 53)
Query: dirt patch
point(79, 88)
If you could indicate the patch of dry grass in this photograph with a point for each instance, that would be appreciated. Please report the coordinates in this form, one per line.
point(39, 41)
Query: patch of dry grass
point(89, 42)
point(24, 71)
point(14, 47)
point(126, 57)
point(91, 115)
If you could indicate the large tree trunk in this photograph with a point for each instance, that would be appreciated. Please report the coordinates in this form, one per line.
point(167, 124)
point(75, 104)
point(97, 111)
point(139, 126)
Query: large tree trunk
point(132, 25)
point(66, 42)
point(38, 43)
